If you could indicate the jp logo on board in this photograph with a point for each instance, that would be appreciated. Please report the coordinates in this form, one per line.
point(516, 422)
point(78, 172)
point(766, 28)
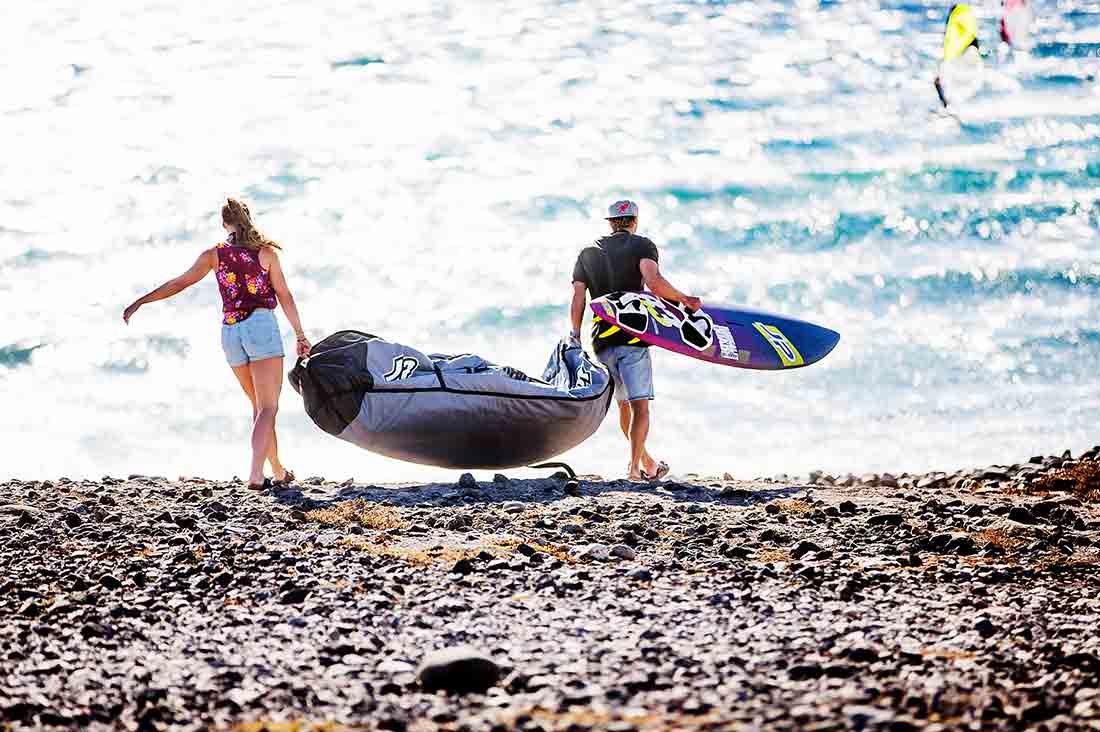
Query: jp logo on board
point(788, 354)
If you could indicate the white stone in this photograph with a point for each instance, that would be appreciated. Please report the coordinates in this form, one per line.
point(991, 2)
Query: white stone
point(597, 552)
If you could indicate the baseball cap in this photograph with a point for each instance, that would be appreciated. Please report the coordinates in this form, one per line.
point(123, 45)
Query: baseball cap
point(621, 208)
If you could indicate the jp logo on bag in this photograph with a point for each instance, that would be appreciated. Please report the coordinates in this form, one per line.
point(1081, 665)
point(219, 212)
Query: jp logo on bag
point(403, 368)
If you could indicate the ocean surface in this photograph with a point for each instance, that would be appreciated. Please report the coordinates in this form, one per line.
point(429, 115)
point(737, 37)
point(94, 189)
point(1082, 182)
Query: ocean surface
point(433, 168)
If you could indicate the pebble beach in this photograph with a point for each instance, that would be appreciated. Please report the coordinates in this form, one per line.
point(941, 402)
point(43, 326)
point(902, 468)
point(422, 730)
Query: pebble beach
point(939, 601)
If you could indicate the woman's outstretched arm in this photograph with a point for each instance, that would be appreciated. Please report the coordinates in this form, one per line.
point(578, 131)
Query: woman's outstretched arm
point(202, 266)
point(282, 292)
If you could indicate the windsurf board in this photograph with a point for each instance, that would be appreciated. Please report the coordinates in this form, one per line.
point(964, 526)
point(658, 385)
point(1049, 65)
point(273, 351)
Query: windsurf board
point(748, 339)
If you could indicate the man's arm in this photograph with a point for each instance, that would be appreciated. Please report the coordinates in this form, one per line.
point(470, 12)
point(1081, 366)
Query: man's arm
point(576, 307)
point(661, 287)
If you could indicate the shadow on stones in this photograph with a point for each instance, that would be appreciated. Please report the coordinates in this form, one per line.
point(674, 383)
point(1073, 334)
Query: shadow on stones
point(526, 491)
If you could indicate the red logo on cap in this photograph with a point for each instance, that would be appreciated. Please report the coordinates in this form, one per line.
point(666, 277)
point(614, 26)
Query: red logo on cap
point(624, 206)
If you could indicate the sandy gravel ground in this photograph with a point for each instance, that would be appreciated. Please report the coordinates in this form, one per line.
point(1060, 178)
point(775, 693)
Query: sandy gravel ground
point(968, 600)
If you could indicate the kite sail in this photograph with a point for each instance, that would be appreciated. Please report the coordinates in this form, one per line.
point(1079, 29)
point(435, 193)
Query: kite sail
point(1016, 21)
point(960, 75)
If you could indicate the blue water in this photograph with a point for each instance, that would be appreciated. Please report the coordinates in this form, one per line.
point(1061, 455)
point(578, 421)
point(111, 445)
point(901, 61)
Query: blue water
point(433, 168)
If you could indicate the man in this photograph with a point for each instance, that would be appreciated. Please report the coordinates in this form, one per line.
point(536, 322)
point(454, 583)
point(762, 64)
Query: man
point(624, 261)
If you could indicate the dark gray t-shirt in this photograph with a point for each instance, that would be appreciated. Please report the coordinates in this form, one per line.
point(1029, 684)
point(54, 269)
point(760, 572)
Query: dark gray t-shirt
point(611, 264)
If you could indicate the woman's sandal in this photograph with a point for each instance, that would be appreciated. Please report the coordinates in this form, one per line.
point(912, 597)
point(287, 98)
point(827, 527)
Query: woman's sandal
point(260, 486)
point(662, 471)
point(287, 479)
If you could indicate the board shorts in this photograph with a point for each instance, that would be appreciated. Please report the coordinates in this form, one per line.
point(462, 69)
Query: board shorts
point(255, 338)
point(632, 369)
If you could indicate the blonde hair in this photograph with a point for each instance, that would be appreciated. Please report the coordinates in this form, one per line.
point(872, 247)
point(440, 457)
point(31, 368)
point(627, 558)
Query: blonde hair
point(236, 214)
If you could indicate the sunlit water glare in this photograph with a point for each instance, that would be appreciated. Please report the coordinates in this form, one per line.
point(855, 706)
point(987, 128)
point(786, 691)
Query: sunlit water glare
point(433, 168)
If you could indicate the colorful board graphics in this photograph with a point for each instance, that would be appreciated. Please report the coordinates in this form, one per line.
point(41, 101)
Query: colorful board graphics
point(747, 339)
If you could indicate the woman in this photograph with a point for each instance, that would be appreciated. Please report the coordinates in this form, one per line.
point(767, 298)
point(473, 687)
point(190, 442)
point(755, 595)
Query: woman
point(251, 283)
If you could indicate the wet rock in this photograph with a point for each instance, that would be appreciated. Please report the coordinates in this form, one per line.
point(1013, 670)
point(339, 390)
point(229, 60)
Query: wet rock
point(95, 630)
point(462, 566)
point(862, 654)
point(467, 481)
point(458, 522)
point(803, 548)
point(294, 596)
point(805, 672)
point(1021, 515)
point(110, 582)
point(886, 519)
point(640, 574)
point(986, 628)
point(961, 544)
point(867, 717)
point(459, 670)
point(774, 536)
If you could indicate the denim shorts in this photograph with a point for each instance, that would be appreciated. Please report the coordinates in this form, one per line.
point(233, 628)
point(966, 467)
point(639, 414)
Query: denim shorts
point(632, 370)
point(253, 339)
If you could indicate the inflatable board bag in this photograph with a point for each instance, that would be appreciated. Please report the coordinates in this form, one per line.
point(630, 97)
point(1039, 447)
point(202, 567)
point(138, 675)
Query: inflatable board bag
point(450, 411)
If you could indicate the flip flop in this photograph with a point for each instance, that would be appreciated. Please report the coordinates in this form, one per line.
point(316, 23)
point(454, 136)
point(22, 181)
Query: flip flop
point(287, 479)
point(662, 471)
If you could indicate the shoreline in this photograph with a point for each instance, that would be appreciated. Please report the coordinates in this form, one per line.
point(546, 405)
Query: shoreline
point(928, 601)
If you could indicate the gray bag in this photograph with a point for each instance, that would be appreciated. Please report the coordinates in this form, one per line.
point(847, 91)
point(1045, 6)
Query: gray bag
point(450, 411)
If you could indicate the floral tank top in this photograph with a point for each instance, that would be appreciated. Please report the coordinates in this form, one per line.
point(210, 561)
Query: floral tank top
point(243, 283)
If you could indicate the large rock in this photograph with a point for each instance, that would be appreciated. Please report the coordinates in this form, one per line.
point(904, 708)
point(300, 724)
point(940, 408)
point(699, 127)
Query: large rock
point(622, 551)
point(461, 670)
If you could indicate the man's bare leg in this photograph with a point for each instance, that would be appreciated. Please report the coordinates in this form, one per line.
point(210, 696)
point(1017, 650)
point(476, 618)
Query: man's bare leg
point(646, 463)
point(639, 431)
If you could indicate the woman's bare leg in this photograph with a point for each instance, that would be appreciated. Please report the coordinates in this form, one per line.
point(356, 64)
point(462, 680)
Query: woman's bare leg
point(244, 377)
point(267, 381)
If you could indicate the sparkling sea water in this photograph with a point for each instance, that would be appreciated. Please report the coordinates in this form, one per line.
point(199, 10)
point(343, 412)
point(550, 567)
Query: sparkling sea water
point(432, 169)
